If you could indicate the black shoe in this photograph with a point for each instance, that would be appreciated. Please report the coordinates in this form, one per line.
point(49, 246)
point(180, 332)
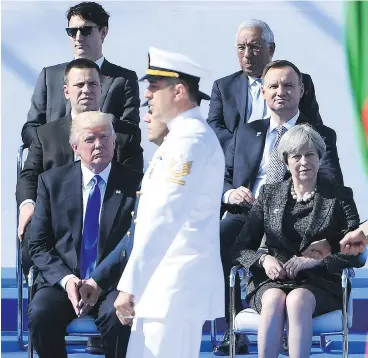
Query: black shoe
point(241, 345)
point(94, 346)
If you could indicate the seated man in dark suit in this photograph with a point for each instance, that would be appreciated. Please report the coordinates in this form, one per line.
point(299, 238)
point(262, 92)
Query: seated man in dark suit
point(83, 210)
point(50, 147)
point(236, 99)
point(251, 160)
point(88, 25)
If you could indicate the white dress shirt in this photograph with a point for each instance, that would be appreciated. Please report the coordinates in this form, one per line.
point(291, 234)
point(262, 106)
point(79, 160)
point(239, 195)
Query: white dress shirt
point(87, 184)
point(270, 141)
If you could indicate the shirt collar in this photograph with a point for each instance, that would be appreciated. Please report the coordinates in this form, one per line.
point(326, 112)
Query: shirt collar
point(100, 61)
point(72, 114)
point(190, 113)
point(87, 175)
point(289, 124)
point(254, 80)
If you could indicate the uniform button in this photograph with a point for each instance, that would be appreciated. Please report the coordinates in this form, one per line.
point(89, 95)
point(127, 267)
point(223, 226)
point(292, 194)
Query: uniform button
point(135, 221)
point(132, 213)
point(128, 233)
point(139, 193)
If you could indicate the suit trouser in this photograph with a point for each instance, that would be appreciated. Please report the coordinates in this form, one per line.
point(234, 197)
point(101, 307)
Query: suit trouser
point(165, 338)
point(230, 227)
point(50, 311)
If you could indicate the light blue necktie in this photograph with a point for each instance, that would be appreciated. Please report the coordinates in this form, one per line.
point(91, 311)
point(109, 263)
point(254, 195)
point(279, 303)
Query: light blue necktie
point(258, 103)
point(90, 230)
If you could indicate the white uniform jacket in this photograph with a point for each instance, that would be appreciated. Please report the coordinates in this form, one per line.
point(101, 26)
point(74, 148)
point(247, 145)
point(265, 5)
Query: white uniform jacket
point(175, 269)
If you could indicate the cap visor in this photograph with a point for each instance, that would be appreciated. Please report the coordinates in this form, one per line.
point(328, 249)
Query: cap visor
point(151, 78)
point(204, 96)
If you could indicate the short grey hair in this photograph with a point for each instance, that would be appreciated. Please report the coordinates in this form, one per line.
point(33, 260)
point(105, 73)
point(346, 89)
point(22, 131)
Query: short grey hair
point(296, 138)
point(267, 33)
point(88, 120)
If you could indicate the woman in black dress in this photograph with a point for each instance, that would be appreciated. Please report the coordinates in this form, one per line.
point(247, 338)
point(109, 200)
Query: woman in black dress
point(293, 214)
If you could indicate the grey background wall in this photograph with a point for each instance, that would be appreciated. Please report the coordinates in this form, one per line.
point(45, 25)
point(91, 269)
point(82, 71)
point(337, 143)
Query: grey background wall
point(309, 33)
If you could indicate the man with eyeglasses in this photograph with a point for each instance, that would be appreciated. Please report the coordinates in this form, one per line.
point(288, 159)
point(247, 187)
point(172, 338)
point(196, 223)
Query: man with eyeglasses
point(237, 99)
point(87, 28)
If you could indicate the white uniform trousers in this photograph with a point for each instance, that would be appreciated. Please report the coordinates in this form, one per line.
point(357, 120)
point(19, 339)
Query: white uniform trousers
point(165, 339)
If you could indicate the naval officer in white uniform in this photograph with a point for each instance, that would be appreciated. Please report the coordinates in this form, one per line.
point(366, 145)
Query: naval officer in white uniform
point(173, 281)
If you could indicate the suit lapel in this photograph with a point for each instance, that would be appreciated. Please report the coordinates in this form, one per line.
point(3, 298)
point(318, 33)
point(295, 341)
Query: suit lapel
point(74, 202)
point(242, 97)
point(64, 139)
point(254, 148)
point(106, 81)
point(113, 198)
point(279, 204)
point(320, 213)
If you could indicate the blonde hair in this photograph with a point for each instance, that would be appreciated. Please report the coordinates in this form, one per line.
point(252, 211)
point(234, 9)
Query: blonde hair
point(88, 120)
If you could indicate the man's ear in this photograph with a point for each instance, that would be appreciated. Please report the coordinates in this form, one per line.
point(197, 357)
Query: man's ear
point(104, 32)
point(180, 90)
point(301, 90)
point(271, 49)
point(75, 149)
point(263, 91)
point(66, 92)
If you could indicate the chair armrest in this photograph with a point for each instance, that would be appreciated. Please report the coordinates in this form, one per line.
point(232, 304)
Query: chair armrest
point(33, 272)
point(347, 275)
point(241, 271)
point(32, 276)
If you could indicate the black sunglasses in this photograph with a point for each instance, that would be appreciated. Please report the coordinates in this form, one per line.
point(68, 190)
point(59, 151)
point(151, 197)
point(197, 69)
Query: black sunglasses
point(84, 30)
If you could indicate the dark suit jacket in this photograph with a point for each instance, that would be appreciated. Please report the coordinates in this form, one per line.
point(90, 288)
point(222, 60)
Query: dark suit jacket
point(56, 228)
point(50, 148)
point(120, 96)
point(333, 215)
point(229, 99)
point(244, 155)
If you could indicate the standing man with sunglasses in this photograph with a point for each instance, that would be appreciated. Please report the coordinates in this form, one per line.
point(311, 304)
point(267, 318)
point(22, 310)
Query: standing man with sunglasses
point(87, 29)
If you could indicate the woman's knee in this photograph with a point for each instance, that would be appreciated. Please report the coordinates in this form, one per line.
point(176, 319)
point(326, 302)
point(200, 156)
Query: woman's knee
point(273, 300)
point(300, 300)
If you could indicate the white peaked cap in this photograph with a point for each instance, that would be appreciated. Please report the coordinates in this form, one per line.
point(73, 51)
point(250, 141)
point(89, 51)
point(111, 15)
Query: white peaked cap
point(163, 63)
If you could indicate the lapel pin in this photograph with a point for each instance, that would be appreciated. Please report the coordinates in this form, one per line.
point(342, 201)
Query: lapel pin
point(276, 211)
point(259, 133)
point(118, 191)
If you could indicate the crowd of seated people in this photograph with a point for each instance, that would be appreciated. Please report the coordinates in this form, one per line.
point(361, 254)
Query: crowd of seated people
point(285, 209)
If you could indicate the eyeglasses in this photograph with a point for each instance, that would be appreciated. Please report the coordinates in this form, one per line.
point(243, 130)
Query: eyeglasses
point(254, 48)
point(84, 30)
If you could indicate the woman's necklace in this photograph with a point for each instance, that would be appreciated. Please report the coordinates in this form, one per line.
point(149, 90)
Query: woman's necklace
point(306, 197)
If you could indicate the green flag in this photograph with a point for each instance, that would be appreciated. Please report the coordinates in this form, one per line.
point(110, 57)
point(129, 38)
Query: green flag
point(357, 52)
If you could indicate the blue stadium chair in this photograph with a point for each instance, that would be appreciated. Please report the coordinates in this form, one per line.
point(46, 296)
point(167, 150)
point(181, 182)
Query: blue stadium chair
point(332, 323)
point(18, 260)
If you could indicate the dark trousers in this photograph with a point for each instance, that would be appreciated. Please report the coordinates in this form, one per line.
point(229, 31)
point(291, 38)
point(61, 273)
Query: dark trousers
point(51, 311)
point(26, 258)
point(230, 227)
